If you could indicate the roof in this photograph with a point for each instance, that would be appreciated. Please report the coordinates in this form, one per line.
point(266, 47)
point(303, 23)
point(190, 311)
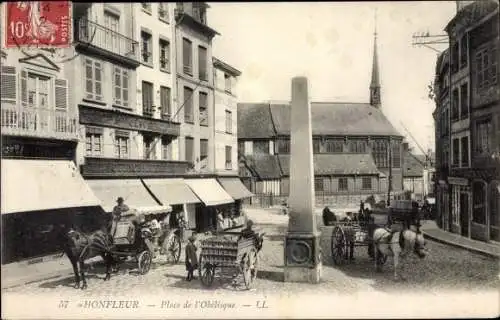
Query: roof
point(413, 165)
point(472, 14)
point(268, 166)
point(328, 118)
point(219, 64)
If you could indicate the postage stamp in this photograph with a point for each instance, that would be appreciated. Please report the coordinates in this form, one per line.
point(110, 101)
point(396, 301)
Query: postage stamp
point(38, 24)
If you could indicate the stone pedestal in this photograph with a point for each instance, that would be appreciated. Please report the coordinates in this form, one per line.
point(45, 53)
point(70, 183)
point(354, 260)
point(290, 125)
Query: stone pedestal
point(302, 242)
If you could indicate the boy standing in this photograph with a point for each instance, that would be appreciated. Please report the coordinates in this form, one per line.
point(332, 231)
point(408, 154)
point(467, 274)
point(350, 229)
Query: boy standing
point(191, 258)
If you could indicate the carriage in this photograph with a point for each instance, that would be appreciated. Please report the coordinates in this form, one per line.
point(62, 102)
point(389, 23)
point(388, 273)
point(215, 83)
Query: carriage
point(229, 256)
point(138, 234)
point(347, 235)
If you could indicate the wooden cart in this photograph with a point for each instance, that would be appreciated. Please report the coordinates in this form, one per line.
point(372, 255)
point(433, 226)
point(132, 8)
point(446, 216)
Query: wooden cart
point(228, 256)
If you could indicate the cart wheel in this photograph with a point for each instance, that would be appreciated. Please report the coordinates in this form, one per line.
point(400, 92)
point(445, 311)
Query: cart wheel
point(144, 262)
point(171, 247)
point(249, 268)
point(339, 245)
point(207, 275)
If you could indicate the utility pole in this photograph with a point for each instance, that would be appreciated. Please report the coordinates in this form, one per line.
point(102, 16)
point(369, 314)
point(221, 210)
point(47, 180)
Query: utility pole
point(389, 187)
point(430, 41)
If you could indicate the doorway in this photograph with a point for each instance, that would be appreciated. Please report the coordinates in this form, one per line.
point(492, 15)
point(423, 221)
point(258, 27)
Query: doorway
point(464, 214)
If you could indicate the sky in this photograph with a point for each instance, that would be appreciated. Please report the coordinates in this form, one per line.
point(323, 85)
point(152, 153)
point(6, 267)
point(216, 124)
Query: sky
point(332, 44)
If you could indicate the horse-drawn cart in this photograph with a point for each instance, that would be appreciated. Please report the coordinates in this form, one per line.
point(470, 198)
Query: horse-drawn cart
point(347, 235)
point(145, 240)
point(229, 255)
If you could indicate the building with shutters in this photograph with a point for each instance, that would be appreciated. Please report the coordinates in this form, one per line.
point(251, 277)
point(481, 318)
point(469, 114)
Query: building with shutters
point(467, 81)
point(357, 151)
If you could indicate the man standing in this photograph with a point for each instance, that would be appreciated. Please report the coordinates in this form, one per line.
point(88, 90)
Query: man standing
point(117, 213)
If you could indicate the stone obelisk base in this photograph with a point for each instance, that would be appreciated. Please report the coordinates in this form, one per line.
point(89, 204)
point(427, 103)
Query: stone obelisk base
point(302, 257)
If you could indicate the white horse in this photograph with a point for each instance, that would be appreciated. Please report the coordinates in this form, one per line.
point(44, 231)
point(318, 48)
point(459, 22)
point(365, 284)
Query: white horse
point(398, 245)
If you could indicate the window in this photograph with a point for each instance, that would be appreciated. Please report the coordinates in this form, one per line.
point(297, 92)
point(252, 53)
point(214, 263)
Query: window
point(465, 151)
point(241, 148)
point(122, 140)
point(379, 153)
point(483, 137)
point(283, 146)
point(227, 82)
point(343, 186)
point(203, 107)
point(165, 97)
point(112, 31)
point(146, 7)
point(446, 121)
point(166, 148)
point(486, 67)
point(121, 85)
point(463, 51)
point(93, 141)
point(93, 80)
point(147, 99)
point(319, 184)
point(454, 105)
point(456, 152)
point(454, 57)
point(199, 12)
point(189, 143)
point(147, 47)
point(38, 91)
point(188, 105)
point(163, 11)
point(229, 122)
point(202, 63)
point(149, 147)
point(203, 149)
point(366, 183)
point(261, 147)
point(229, 158)
point(164, 55)
point(464, 100)
point(316, 145)
point(187, 56)
point(396, 155)
point(334, 145)
point(357, 146)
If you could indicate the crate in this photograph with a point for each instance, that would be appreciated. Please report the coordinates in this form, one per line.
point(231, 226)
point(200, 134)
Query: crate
point(224, 251)
point(125, 233)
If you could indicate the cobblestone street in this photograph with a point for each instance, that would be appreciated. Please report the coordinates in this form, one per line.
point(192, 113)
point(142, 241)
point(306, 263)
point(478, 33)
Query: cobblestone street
point(445, 268)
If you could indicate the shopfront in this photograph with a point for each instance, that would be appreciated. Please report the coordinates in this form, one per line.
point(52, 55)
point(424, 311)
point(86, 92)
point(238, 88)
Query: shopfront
point(213, 198)
point(460, 205)
point(237, 190)
point(39, 199)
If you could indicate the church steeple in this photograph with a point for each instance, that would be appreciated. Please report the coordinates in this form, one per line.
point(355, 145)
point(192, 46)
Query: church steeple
point(375, 83)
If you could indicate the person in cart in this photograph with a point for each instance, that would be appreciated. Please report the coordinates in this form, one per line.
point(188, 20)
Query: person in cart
point(248, 233)
point(118, 210)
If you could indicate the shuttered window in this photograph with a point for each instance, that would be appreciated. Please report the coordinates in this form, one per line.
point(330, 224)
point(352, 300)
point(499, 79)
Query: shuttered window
point(202, 63)
point(165, 97)
point(121, 87)
point(188, 105)
point(8, 85)
point(189, 144)
point(203, 107)
point(93, 80)
point(187, 56)
point(61, 91)
point(229, 158)
point(164, 55)
point(203, 149)
point(229, 122)
point(147, 98)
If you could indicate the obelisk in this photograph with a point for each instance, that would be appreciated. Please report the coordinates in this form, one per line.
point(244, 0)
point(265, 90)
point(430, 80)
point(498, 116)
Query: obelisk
point(302, 245)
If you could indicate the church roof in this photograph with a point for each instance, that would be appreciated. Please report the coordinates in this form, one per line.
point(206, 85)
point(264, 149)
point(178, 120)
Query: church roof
point(328, 118)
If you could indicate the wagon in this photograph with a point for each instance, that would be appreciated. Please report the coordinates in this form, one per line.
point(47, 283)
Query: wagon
point(226, 255)
point(359, 233)
point(131, 239)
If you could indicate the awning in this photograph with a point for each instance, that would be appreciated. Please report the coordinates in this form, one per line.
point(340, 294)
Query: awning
point(172, 191)
point(235, 188)
point(209, 191)
point(29, 185)
point(131, 190)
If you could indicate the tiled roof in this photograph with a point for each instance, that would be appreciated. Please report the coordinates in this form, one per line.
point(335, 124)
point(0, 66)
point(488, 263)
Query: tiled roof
point(327, 119)
point(413, 165)
point(268, 166)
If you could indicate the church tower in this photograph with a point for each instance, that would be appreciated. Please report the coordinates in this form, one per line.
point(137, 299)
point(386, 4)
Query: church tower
point(375, 99)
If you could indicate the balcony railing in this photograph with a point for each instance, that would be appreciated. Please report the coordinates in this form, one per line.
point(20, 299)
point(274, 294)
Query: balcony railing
point(94, 34)
point(38, 122)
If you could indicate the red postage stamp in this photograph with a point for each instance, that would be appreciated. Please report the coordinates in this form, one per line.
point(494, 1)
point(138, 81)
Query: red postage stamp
point(38, 24)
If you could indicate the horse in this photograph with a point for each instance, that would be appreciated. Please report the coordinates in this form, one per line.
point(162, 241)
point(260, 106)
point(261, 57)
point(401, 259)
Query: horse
point(398, 245)
point(79, 246)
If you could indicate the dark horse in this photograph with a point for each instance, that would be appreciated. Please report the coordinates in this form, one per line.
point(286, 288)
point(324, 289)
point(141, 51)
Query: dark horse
point(79, 246)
